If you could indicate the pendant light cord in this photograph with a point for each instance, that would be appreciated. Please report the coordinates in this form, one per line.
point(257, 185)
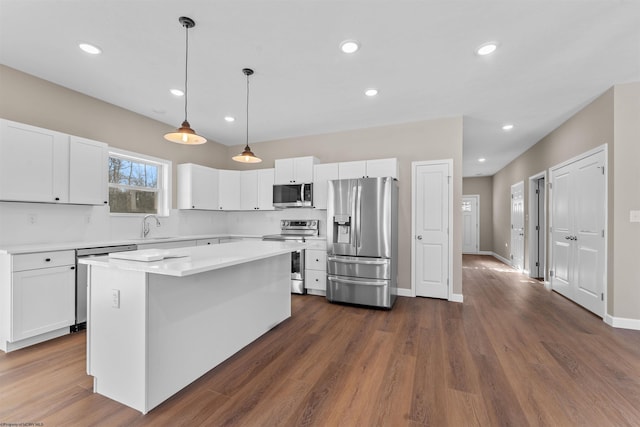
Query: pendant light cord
point(247, 111)
point(186, 70)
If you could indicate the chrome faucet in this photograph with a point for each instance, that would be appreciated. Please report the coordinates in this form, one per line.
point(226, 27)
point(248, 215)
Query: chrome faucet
point(145, 224)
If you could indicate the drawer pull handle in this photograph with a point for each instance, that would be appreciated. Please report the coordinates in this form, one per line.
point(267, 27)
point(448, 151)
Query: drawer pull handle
point(73, 268)
point(57, 199)
point(47, 259)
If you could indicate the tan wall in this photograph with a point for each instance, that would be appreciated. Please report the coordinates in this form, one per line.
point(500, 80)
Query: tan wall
point(482, 186)
point(28, 99)
point(425, 140)
point(589, 128)
point(626, 197)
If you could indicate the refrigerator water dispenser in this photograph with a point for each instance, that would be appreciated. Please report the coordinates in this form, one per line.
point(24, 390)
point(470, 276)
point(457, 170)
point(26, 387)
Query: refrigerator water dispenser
point(342, 229)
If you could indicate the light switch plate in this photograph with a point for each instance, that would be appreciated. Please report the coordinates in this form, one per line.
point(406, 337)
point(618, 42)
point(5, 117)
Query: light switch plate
point(634, 216)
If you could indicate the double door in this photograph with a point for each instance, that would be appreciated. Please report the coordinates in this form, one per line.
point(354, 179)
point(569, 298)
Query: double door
point(578, 207)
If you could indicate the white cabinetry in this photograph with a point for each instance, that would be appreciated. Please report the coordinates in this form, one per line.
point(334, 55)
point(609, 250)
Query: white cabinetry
point(88, 171)
point(256, 188)
point(34, 164)
point(197, 187)
point(206, 242)
point(229, 190)
point(295, 170)
point(41, 165)
point(315, 273)
point(322, 174)
point(368, 168)
point(38, 297)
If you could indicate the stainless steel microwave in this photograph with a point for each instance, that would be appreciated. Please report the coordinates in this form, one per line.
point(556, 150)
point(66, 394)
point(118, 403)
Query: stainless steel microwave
point(293, 196)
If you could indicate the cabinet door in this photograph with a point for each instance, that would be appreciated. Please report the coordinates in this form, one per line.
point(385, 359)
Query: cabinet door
point(284, 171)
point(248, 190)
point(382, 167)
point(197, 187)
point(229, 190)
point(322, 174)
point(303, 169)
point(352, 170)
point(87, 172)
point(43, 300)
point(34, 164)
point(265, 189)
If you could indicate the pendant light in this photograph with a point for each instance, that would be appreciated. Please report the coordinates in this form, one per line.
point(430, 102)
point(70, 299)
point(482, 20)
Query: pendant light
point(185, 135)
point(247, 155)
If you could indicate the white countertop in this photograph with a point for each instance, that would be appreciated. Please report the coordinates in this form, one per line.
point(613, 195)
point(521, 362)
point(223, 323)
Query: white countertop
point(198, 259)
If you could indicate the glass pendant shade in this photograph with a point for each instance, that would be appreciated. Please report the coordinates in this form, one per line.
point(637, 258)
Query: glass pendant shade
point(247, 155)
point(185, 135)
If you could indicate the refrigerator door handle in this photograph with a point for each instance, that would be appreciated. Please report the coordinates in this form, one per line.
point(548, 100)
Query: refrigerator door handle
point(357, 212)
point(358, 282)
point(358, 261)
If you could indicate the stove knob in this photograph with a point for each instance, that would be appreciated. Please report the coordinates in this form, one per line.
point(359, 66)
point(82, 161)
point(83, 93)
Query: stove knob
point(285, 223)
point(314, 223)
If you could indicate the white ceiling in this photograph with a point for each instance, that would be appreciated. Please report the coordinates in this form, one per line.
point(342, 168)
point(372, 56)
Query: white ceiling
point(554, 57)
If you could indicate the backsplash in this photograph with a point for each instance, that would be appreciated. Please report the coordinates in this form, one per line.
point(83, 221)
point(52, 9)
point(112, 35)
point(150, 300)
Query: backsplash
point(27, 223)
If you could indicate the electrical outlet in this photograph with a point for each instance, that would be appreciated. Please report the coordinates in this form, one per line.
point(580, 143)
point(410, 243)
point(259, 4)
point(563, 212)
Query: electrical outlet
point(115, 298)
point(32, 218)
point(634, 216)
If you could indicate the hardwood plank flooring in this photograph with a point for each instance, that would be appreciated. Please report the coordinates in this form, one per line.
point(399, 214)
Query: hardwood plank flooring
point(514, 353)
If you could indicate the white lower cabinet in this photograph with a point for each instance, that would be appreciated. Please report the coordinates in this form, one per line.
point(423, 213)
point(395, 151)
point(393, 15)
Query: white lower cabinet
point(41, 298)
point(315, 273)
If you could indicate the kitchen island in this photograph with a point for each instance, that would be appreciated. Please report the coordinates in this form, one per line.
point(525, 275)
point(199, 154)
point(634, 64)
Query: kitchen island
point(156, 326)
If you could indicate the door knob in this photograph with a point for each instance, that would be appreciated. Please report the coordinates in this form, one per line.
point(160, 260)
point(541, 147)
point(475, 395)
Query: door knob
point(419, 237)
point(567, 237)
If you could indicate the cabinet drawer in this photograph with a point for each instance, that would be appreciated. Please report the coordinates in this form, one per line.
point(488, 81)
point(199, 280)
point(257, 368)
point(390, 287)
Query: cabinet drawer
point(315, 279)
point(43, 260)
point(320, 244)
point(205, 242)
point(316, 259)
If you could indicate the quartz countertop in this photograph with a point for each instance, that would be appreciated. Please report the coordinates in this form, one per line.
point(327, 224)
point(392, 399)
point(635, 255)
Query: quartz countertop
point(61, 246)
point(193, 260)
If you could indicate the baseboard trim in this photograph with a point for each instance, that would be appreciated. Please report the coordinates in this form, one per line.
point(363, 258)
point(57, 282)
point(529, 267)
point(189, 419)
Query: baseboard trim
point(484, 253)
point(500, 258)
point(403, 292)
point(622, 323)
point(456, 298)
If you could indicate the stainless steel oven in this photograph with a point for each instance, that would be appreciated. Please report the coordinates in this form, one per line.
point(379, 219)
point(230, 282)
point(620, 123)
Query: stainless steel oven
point(297, 231)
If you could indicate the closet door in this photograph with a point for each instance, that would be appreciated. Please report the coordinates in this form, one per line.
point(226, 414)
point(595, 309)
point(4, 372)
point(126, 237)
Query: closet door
point(578, 206)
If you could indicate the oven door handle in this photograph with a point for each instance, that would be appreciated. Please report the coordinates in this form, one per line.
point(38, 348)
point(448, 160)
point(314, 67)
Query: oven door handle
point(358, 282)
point(357, 261)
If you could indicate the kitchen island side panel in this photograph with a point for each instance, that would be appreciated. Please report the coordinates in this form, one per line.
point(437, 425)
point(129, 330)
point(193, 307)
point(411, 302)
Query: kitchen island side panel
point(197, 322)
point(116, 335)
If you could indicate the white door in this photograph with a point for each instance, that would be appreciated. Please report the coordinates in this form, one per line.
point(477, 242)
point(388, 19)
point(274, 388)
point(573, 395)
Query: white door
point(470, 228)
point(517, 226)
point(431, 217)
point(578, 231)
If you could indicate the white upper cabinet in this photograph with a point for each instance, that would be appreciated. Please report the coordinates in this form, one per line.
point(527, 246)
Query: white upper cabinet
point(351, 170)
point(34, 164)
point(322, 174)
point(197, 187)
point(369, 169)
point(297, 170)
point(229, 190)
point(256, 188)
point(88, 171)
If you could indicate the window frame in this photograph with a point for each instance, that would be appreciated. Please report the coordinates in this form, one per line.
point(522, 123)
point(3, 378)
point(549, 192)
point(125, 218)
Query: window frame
point(164, 192)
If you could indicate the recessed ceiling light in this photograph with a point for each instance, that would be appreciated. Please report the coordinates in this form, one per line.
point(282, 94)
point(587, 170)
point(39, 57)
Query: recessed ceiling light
point(486, 48)
point(176, 92)
point(349, 46)
point(482, 160)
point(229, 119)
point(371, 92)
point(507, 127)
point(89, 48)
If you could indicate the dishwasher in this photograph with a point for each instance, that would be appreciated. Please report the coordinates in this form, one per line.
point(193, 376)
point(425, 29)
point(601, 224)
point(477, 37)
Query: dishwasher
point(82, 279)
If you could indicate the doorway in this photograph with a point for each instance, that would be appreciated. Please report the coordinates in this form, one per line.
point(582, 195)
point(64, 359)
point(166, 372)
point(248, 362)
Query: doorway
point(537, 226)
point(470, 224)
point(432, 214)
point(517, 226)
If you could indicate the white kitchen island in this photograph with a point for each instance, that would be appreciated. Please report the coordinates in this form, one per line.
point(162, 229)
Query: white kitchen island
point(155, 327)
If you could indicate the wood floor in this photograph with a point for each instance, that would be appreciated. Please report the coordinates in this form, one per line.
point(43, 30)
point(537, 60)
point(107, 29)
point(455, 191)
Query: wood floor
point(513, 354)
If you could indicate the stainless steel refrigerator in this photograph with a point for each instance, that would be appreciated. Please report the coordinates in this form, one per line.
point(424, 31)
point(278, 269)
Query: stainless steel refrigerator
point(362, 241)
